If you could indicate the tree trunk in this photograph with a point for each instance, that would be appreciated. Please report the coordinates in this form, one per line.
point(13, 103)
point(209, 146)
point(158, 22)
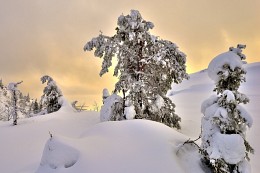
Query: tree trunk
point(139, 69)
point(15, 109)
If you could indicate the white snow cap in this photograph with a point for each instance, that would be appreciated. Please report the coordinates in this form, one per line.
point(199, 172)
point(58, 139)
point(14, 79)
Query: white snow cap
point(106, 92)
point(215, 66)
point(130, 112)
point(230, 96)
point(230, 147)
point(13, 86)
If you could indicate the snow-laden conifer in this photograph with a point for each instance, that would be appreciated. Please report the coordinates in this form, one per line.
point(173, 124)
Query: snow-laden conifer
point(1, 84)
point(224, 146)
point(12, 87)
point(146, 67)
point(51, 95)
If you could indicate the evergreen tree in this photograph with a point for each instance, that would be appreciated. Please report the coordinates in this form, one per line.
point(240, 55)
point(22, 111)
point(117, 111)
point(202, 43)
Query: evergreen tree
point(1, 84)
point(15, 92)
point(35, 107)
point(146, 67)
point(51, 95)
point(224, 146)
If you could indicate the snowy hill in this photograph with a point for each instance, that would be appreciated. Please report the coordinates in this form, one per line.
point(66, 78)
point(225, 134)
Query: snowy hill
point(79, 143)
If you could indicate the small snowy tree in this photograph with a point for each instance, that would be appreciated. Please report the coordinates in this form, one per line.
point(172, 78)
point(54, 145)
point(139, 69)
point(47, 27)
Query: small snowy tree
point(224, 146)
point(51, 95)
point(13, 89)
point(146, 67)
point(35, 107)
point(1, 84)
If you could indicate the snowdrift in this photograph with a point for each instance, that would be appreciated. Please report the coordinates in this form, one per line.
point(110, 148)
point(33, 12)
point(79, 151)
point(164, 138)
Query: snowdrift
point(114, 147)
point(80, 143)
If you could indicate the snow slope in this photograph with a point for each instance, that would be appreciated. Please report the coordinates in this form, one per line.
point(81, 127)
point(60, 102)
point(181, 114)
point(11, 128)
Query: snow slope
point(80, 143)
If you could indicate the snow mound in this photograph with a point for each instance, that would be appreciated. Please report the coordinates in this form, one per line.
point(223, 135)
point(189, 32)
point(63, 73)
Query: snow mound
point(58, 154)
point(137, 146)
point(216, 65)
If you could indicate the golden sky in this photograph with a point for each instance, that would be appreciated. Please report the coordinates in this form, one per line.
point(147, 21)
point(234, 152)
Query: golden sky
point(39, 37)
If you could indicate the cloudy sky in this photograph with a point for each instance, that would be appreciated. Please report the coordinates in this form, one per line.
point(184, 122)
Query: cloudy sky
point(39, 37)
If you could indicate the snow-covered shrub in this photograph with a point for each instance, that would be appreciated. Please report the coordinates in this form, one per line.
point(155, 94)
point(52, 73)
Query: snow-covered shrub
point(146, 67)
point(58, 154)
point(112, 109)
point(50, 99)
point(224, 147)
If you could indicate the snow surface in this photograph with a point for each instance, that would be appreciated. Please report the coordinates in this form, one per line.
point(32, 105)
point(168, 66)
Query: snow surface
point(80, 143)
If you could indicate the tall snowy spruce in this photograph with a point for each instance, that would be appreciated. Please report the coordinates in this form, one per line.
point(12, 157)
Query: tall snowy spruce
point(146, 67)
point(224, 146)
point(12, 87)
point(51, 95)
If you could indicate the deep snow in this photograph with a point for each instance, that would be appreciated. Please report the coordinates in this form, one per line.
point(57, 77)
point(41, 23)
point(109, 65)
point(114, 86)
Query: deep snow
point(80, 143)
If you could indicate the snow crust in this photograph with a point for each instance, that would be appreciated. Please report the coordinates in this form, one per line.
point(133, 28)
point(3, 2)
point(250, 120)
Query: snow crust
point(215, 66)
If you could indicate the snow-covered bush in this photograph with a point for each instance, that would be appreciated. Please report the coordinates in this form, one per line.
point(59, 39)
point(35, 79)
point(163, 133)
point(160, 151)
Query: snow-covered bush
point(112, 109)
point(146, 67)
point(224, 147)
point(58, 154)
point(51, 95)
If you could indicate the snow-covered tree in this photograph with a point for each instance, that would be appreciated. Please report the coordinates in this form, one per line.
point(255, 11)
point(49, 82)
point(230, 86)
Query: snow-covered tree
point(224, 146)
point(146, 67)
point(51, 95)
point(12, 87)
point(1, 84)
point(35, 107)
point(112, 109)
